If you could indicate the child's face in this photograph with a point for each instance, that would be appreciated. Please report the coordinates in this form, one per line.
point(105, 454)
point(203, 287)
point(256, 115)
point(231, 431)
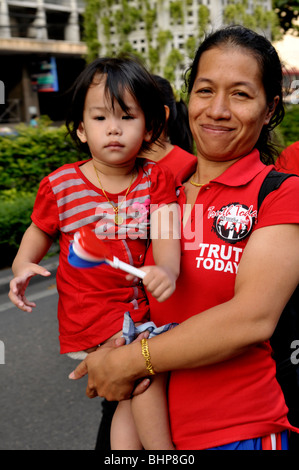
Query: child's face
point(114, 137)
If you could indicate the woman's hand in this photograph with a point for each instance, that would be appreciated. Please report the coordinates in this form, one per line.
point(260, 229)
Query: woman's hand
point(107, 374)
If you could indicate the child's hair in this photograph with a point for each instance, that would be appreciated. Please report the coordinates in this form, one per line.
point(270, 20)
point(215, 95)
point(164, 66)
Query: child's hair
point(177, 127)
point(124, 73)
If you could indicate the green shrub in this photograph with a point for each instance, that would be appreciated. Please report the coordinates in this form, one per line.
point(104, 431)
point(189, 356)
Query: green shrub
point(25, 158)
point(15, 211)
point(288, 129)
point(31, 154)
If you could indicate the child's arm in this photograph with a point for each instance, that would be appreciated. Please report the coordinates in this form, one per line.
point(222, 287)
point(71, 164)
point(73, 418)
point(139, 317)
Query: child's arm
point(165, 234)
point(34, 245)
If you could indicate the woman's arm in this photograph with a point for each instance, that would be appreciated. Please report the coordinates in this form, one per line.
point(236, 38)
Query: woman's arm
point(34, 245)
point(268, 274)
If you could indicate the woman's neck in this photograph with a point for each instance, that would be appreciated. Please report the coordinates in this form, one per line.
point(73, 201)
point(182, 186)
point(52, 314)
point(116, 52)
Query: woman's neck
point(205, 172)
point(208, 170)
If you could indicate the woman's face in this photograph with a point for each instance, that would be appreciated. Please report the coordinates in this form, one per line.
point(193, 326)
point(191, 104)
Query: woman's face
point(227, 107)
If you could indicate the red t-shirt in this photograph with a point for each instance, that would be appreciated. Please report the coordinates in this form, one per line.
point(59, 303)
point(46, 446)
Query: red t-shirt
point(92, 301)
point(239, 398)
point(177, 159)
point(288, 160)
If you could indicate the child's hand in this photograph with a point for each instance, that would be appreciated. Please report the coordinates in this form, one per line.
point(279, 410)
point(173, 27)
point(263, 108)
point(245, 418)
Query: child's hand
point(159, 281)
point(18, 286)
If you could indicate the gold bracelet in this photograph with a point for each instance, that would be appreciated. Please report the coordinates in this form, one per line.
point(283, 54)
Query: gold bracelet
point(147, 357)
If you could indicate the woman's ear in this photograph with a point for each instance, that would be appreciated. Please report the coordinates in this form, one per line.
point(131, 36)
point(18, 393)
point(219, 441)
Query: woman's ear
point(271, 109)
point(81, 133)
point(167, 112)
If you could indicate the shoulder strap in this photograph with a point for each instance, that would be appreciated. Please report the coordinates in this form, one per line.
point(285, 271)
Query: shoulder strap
point(272, 182)
point(287, 329)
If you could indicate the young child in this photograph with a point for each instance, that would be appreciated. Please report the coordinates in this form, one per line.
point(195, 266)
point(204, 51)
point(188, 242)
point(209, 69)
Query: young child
point(116, 113)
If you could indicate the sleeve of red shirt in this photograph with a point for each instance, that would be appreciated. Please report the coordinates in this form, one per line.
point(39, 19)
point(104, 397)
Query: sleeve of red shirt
point(45, 212)
point(281, 206)
point(162, 190)
point(288, 160)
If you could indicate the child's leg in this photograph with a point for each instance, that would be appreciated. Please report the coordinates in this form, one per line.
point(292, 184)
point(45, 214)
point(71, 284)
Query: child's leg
point(150, 412)
point(123, 433)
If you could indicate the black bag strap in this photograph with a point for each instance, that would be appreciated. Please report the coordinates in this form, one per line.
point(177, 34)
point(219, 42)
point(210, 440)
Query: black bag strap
point(287, 329)
point(272, 182)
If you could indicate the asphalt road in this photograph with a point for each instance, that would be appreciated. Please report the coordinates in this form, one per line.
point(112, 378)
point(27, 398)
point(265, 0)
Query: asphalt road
point(40, 408)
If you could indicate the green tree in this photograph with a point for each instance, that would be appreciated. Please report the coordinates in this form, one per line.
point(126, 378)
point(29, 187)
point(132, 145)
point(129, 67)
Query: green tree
point(163, 37)
point(237, 13)
point(288, 14)
point(149, 19)
point(90, 26)
point(203, 19)
point(177, 11)
point(174, 59)
point(288, 129)
point(126, 18)
point(106, 22)
point(190, 46)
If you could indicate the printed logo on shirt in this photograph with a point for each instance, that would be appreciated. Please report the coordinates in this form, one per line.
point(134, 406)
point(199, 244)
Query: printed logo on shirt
point(232, 222)
point(215, 257)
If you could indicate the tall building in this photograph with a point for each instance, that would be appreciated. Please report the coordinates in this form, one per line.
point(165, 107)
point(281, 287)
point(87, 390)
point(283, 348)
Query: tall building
point(167, 32)
point(41, 48)
point(41, 51)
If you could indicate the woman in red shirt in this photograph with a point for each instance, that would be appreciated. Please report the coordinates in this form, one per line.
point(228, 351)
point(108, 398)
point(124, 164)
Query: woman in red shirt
point(232, 289)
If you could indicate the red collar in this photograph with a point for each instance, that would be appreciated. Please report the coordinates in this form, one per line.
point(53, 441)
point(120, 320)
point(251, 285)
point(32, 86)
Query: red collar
point(238, 174)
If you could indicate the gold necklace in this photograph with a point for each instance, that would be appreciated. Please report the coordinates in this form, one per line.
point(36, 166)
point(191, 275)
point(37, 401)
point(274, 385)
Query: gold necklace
point(118, 219)
point(198, 185)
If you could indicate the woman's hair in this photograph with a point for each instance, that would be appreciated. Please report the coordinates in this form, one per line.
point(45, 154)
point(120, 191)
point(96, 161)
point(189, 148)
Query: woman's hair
point(271, 74)
point(124, 73)
point(177, 127)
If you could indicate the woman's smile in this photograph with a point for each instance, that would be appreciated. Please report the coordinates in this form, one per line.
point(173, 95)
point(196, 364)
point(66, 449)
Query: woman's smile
point(212, 129)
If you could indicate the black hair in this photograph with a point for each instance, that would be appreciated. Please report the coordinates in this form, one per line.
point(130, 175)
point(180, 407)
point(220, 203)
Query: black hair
point(177, 127)
point(271, 73)
point(123, 73)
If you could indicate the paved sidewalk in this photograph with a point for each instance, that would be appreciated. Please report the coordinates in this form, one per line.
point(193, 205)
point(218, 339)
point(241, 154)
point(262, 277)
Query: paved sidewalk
point(6, 274)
